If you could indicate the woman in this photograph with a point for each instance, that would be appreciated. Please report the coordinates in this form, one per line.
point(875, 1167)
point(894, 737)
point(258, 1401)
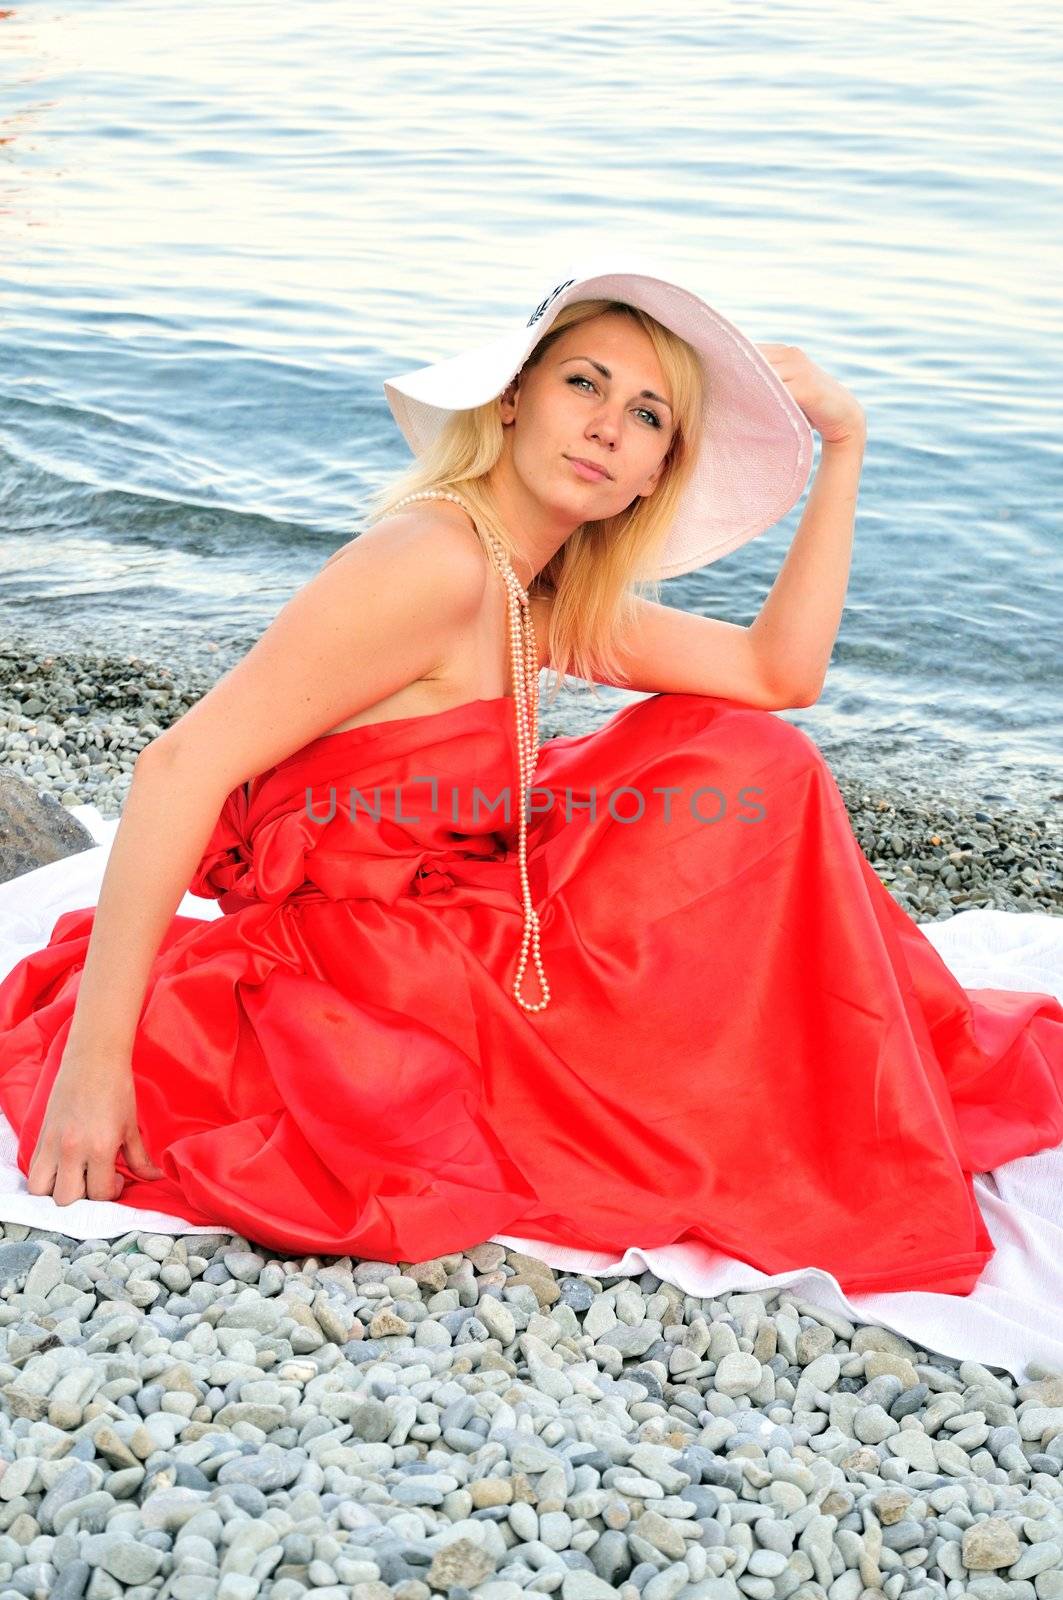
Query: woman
point(347, 1060)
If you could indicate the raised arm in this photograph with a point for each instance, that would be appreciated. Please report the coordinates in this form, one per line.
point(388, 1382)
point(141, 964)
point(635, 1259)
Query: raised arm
point(361, 629)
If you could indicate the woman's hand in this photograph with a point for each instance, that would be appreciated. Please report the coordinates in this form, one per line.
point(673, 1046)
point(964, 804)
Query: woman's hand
point(91, 1114)
point(835, 414)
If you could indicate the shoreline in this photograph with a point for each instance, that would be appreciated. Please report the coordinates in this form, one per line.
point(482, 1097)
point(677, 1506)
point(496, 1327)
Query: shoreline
point(74, 722)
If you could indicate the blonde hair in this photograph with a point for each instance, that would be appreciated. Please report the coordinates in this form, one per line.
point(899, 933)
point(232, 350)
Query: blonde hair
point(594, 576)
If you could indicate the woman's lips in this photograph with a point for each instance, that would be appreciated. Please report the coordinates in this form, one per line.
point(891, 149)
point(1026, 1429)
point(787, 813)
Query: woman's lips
point(585, 470)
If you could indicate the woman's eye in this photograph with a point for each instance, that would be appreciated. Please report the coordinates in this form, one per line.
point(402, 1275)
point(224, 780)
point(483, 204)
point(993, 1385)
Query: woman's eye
point(579, 377)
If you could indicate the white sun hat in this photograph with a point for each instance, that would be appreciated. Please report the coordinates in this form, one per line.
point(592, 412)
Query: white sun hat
point(757, 445)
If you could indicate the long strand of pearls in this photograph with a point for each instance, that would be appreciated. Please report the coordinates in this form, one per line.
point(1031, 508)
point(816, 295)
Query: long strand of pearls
point(524, 661)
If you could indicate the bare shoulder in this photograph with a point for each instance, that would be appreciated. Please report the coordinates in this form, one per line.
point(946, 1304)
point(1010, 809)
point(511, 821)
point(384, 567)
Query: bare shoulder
point(364, 627)
point(434, 529)
point(454, 535)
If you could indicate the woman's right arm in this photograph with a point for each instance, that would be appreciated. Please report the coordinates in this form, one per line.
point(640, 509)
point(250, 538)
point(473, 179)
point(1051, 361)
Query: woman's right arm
point(361, 629)
point(167, 819)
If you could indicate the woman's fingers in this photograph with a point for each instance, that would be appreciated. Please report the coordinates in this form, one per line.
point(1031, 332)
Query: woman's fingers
point(73, 1174)
point(104, 1181)
point(70, 1178)
point(79, 1142)
point(137, 1158)
point(40, 1174)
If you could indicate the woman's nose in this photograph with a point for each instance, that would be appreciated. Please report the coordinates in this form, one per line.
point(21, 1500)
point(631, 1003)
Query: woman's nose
point(604, 426)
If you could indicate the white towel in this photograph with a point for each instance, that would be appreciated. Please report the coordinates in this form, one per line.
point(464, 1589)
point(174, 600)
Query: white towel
point(1012, 1316)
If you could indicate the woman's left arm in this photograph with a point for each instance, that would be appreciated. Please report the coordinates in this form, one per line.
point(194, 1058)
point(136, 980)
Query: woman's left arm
point(798, 623)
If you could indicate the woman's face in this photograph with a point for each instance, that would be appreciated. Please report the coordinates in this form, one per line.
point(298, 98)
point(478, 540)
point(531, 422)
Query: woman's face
point(599, 394)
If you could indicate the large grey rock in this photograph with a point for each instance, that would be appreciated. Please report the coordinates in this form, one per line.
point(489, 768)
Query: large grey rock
point(35, 828)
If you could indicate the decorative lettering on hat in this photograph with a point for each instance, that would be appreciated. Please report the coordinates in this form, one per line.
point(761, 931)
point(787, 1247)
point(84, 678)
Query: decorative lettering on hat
point(540, 310)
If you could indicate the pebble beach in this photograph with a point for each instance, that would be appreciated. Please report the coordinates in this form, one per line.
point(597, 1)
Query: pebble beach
point(193, 1416)
point(190, 1417)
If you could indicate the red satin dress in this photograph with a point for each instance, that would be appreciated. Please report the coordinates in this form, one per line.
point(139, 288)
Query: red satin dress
point(748, 1041)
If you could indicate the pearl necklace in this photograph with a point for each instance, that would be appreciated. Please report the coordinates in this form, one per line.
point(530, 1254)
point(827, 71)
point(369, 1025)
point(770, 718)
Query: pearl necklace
point(524, 659)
